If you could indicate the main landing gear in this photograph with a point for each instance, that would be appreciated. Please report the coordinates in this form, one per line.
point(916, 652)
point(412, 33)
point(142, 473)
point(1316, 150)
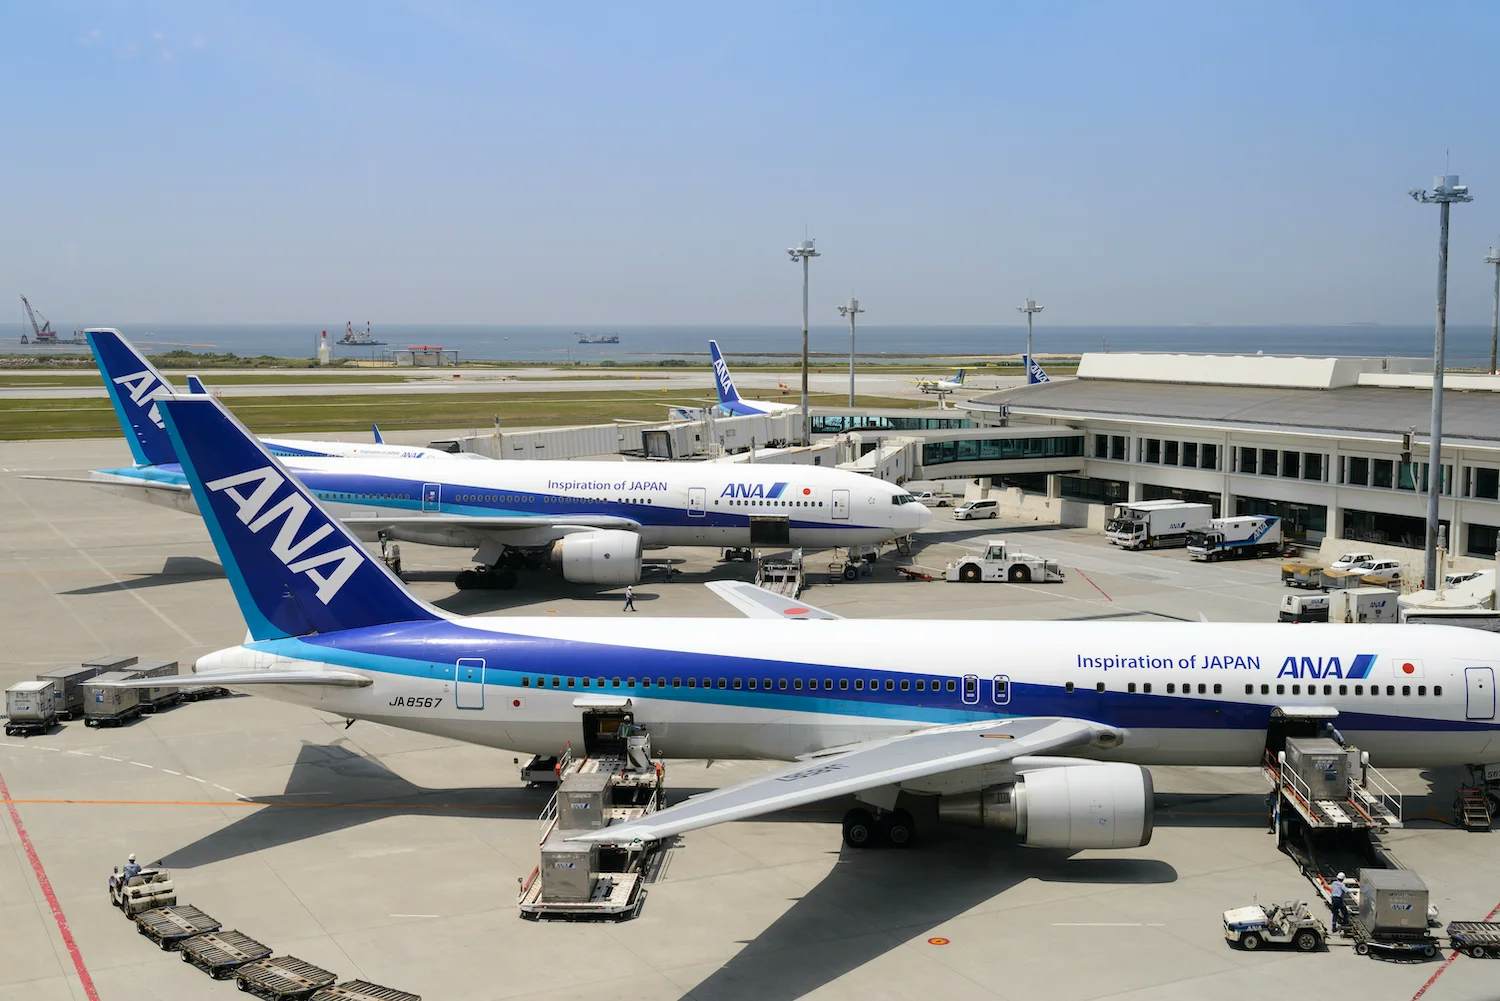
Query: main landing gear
point(493, 578)
point(864, 828)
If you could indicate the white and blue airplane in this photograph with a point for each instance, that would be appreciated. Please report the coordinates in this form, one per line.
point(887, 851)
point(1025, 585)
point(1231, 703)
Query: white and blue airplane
point(589, 520)
point(730, 404)
point(1043, 728)
point(942, 386)
point(1035, 373)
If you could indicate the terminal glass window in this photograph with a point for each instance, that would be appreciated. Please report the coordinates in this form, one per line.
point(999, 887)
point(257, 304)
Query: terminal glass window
point(1151, 450)
point(1209, 457)
point(1169, 455)
point(1101, 446)
point(1117, 447)
point(1359, 471)
point(1481, 540)
point(1389, 529)
point(1268, 462)
point(1302, 522)
point(1383, 473)
point(1291, 464)
point(1484, 483)
point(1312, 466)
point(1406, 475)
point(1247, 460)
point(1093, 489)
point(1190, 454)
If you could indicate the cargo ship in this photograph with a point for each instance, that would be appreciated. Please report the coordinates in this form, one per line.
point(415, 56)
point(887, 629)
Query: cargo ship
point(598, 338)
point(359, 338)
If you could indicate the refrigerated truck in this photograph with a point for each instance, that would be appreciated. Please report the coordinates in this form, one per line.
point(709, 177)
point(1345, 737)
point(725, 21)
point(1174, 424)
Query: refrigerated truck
point(1154, 524)
point(1249, 536)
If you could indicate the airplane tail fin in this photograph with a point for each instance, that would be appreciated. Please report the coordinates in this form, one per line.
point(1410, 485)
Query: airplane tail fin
point(959, 378)
point(723, 381)
point(134, 387)
point(195, 385)
point(1035, 373)
point(294, 568)
point(375, 430)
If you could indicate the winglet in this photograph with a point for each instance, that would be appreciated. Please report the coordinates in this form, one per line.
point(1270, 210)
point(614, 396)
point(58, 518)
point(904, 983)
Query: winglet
point(134, 387)
point(295, 569)
point(195, 385)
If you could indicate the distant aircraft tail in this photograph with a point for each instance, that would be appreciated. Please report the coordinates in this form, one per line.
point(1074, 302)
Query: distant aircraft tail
point(375, 430)
point(723, 381)
point(294, 568)
point(1035, 373)
point(134, 388)
point(959, 377)
point(195, 385)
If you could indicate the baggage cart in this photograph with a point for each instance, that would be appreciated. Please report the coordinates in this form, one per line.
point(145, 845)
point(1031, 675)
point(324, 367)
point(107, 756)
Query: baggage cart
point(169, 927)
point(282, 978)
point(1392, 914)
point(362, 990)
point(104, 705)
point(70, 682)
point(1395, 942)
point(30, 707)
point(155, 699)
point(1297, 573)
point(1476, 939)
point(220, 953)
point(202, 694)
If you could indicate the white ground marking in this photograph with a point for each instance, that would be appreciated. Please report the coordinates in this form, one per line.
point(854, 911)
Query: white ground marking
point(138, 764)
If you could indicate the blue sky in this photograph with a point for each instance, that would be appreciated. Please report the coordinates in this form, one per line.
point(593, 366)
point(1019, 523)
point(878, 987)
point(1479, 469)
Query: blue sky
point(601, 164)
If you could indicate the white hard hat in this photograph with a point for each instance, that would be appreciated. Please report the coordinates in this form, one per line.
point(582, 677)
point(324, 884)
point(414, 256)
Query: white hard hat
point(1339, 876)
point(132, 859)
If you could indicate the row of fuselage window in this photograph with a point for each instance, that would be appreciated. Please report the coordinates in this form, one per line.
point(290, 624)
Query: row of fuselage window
point(1281, 689)
point(1001, 692)
point(751, 684)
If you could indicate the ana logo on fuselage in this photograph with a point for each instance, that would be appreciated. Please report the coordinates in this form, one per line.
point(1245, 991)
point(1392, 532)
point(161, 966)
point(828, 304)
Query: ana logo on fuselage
point(1327, 667)
point(293, 509)
point(753, 491)
point(142, 386)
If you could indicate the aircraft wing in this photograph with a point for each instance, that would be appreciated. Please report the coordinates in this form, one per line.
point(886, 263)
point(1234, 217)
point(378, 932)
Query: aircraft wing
point(236, 679)
point(758, 603)
point(864, 766)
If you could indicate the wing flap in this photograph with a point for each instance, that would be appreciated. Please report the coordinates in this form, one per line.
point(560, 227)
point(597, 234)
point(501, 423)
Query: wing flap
point(865, 766)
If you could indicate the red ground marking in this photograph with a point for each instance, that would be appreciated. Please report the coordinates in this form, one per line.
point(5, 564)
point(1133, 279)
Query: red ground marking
point(938, 940)
point(47, 891)
point(1096, 587)
point(1447, 963)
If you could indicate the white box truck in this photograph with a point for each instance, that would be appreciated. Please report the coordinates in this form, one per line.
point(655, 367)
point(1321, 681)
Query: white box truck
point(1251, 535)
point(1362, 604)
point(1153, 524)
point(1304, 608)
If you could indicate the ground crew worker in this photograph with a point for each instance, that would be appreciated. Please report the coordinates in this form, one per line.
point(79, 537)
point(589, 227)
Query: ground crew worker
point(1338, 902)
point(629, 599)
point(132, 868)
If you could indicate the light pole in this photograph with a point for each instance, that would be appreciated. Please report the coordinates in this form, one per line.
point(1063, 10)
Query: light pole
point(804, 252)
point(1493, 257)
point(1030, 309)
point(851, 309)
point(1445, 191)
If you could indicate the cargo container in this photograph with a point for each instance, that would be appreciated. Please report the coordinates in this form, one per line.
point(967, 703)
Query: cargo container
point(105, 705)
point(568, 868)
point(1392, 900)
point(1322, 765)
point(69, 681)
point(153, 699)
point(30, 707)
point(1363, 604)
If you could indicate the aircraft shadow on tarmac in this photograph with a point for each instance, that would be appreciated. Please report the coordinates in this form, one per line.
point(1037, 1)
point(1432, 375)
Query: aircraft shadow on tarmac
point(175, 570)
point(872, 902)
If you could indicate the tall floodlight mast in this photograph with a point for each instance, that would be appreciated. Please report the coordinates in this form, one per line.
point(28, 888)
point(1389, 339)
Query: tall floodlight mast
point(1493, 257)
point(851, 309)
point(804, 252)
point(1444, 192)
point(1030, 309)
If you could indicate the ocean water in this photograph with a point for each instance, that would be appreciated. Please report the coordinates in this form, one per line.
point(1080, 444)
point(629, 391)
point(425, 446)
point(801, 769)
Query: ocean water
point(1468, 346)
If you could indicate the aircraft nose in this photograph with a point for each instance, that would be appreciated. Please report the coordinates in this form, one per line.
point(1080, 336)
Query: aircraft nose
point(920, 516)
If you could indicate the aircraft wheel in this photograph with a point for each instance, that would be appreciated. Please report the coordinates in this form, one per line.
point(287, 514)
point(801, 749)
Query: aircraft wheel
point(851, 572)
point(466, 579)
point(969, 574)
point(899, 829)
point(859, 828)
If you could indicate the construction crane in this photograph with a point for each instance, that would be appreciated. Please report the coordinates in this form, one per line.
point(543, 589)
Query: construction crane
point(42, 333)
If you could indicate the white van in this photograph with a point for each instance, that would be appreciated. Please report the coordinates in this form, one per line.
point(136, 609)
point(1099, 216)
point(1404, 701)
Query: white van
point(974, 510)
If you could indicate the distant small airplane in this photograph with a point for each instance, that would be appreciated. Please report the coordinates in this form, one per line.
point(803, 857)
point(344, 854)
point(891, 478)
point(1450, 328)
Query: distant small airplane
point(940, 386)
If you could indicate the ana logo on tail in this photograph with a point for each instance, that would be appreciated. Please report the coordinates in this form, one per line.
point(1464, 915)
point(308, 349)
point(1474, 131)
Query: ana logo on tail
point(1035, 373)
point(293, 510)
point(142, 386)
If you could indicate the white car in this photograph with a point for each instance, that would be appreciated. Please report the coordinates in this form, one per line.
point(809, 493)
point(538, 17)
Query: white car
point(1349, 561)
point(974, 510)
point(931, 499)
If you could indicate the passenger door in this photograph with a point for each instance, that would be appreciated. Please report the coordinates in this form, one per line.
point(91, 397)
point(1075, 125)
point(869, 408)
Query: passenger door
point(468, 684)
point(697, 502)
point(432, 497)
point(1480, 682)
point(841, 505)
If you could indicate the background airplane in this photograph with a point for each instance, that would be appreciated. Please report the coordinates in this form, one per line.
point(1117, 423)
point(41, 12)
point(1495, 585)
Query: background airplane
point(1041, 728)
point(952, 385)
point(590, 521)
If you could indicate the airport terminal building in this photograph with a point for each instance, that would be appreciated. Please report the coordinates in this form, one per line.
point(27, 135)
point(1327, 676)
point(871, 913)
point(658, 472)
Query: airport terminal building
point(1336, 446)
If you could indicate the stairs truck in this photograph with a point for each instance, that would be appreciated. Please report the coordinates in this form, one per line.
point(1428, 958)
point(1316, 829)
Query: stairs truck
point(999, 563)
point(1236, 538)
point(1154, 524)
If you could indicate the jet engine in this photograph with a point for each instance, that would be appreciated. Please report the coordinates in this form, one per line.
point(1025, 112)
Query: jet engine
point(1104, 805)
point(605, 557)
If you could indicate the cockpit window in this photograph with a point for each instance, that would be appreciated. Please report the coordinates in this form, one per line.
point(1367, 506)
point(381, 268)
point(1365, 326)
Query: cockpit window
point(904, 499)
